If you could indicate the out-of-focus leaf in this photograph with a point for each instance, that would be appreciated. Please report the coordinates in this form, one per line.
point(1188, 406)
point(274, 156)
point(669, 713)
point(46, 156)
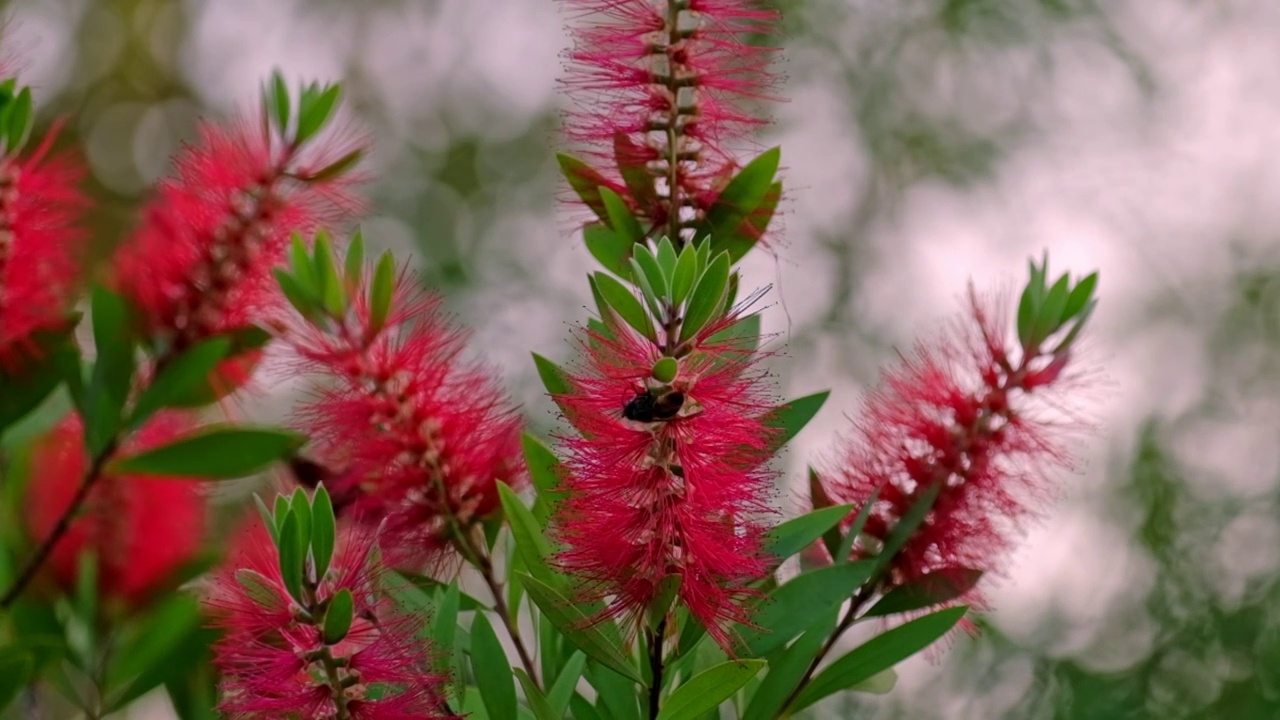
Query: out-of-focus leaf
point(215, 453)
point(112, 370)
point(172, 639)
point(17, 670)
point(542, 709)
point(786, 667)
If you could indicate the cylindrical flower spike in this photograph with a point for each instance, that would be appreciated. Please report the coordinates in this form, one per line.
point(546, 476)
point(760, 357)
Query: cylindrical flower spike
point(658, 87)
point(309, 631)
point(140, 529)
point(40, 210)
point(962, 415)
point(201, 263)
point(666, 478)
point(411, 432)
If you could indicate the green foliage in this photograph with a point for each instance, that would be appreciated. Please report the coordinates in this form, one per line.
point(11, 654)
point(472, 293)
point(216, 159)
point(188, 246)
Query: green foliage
point(1044, 310)
point(790, 418)
point(879, 654)
point(488, 663)
point(791, 608)
point(798, 533)
point(705, 691)
point(213, 452)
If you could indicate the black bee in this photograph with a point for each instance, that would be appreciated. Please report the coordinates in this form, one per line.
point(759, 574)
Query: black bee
point(648, 407)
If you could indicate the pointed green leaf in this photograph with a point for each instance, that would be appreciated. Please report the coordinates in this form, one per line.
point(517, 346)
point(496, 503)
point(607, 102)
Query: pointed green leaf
point(179, 378)
point(652, 271)
point(531, 544)
point(789, 419)
point(112, 370)
point(491, 669)
point(609, 248)
point(315, 111)
point(796, 534)
point(537, 701)
point(214, 452)
point(353, 265)
point(323, 531)
point(787, 667)
point(381, 292)
point(300, 507)
point(744, 193)
point(707, 298)
point(1080, 295)
point(632, 160)
point(577, 627)
point(625, 304)
point(566, 682)
point(705, 691)
point(928, 590)
point(292, 556)
point(684, 275)
point(878, 654)
point(792, 606)
point(620, 218)
point(585, 181)
point(279, 107)
point(554, 378)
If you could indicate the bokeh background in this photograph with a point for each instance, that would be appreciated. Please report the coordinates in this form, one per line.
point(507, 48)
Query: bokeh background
point(926, 143)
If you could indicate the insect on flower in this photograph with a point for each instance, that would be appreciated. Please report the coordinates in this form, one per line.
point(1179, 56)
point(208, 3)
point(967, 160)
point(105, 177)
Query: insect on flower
point(654, 405)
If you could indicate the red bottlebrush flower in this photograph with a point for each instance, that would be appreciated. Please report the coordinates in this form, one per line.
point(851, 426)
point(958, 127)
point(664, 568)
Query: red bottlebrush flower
point(412, 433)
point(960, 412)
point(658, 87)
point(275, 663)
point(201, 263)
point(40, 208)
point(142, 529)
point(670, 484)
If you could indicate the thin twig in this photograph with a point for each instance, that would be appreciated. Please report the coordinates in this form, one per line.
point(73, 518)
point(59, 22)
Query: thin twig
point(511, 623)
point(656, 636)
point(850, 617)
point(59, 529)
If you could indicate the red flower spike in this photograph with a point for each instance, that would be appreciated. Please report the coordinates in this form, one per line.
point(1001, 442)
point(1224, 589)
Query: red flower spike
point(274, 663)
point(956, 412)
point(142, 529)
point(40, 210)
point(411, 432)
point(201, 263)
point(684, 495)
point(670, 75)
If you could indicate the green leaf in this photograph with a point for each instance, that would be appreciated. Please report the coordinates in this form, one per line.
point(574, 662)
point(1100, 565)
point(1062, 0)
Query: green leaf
point(292, 556)
point(651, 296)
point(112, 371)
point(585, 181)
point(845, 550)
point(333, 291)
point(617, 694)
point(927, 590)
point(336, 168)
point(21, 393)
point(578, 628)
point(381, 292)
point(531, 544)
point(323, 531)
point(566, 682)
point(787, 667)
point(652, 271)
point(180, 378)
point(18, 126)
point(445, 624)
point(707, 298)
point(609, 248)
point(878, 654)
point(300, 506)
point(743, 334)
point(1079, 297)
point(170, 635)
point(791, 607)
point(268, 518)
point(279, 106)
point(583, 710)
point(684, 275)
point(337, 618)
point(906, 526)
point(790, 418)
point(542, 709)
point(297, 296)
point(796, 534)
point(353, 264)
point(705, 691)
point(314, 112)
point(17, 670)
point(215, 453)
point(744, 193)
point(1050, 316)
point(625, 304)
point(619, 216)
point(258, 588)
point(554, 378)
point(492, 670)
